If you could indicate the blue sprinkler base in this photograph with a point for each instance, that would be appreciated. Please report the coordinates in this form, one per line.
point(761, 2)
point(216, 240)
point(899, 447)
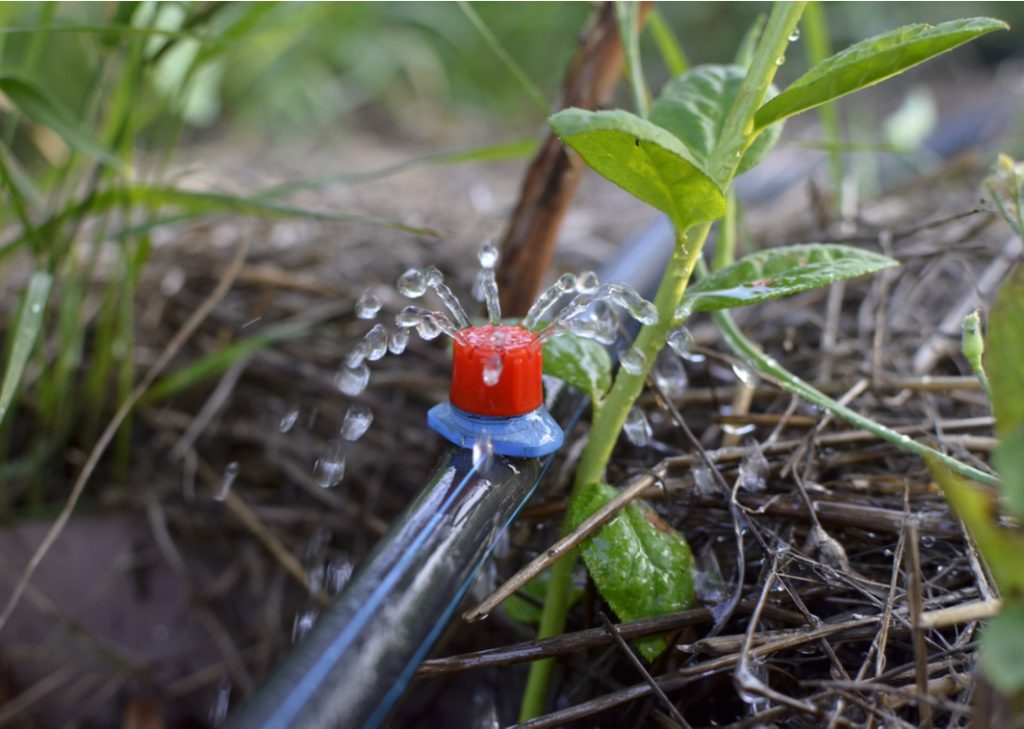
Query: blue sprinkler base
point(525, 436)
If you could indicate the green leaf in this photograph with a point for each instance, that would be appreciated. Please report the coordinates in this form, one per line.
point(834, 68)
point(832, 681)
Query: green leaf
point(1004, 354)
point(778, 272)
point(582, 363)
point(641, 566)
point(1008, 459)
point(36, 103)
point(643, 159)
point(26, 331)
point(870, 61)
point(1001, 547)
point(695, 105)
point(1002, 649)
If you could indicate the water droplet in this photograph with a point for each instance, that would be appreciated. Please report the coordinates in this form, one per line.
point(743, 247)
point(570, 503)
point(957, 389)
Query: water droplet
point(221, 703)
point(670, 375)
point(927, 541)
point(490, 286)
point(338, 575)
point(368, 305)
point(36, 308)
point(303, 624)
point(745, 374)
point(587, 283)
point(373, 346)
point(487, 255)
point(412, 283)
point(433, 276)
point(172, 282)
point(357, 421)
point(681, 342)
point(703, 480)
point(435, 280)
point(428, 329)
point(398, 341)
point(330, 469)
point(633, 361)
point(289, 420)
point(353, 380)
point(795, 35)
point(492, 370)
point(230, 474)
point(632, 302)
point(548, 299)
point(780, 60)
point(753, 471)
point(636, 427)
point(483, 451)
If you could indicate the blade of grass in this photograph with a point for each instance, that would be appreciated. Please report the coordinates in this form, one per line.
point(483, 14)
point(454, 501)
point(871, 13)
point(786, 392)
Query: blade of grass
point(818, 45)
point(528, 86)
point(216, 362)
point(26, 331)
point(202, 203)
point(37, 104)
point(668, 44)
point(186, 331)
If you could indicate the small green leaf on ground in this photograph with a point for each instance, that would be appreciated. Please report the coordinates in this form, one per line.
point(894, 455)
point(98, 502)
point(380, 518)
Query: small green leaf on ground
point(640, 565)
point(1002, 649)
point(870, 61)
point(694, 107)
point(777, 272)
point(582, 363)
point(1004, 354)
point(26, 331)
point(643, 159)
point(37, 104)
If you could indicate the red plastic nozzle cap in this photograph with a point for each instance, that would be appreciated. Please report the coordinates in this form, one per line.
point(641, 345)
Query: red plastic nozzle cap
point(517, 390)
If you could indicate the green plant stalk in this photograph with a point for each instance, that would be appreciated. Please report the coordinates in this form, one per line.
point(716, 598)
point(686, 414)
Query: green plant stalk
point(736, 137)
point(668, 45)
point(819, 47)
point(626, 16)
point(790, 382)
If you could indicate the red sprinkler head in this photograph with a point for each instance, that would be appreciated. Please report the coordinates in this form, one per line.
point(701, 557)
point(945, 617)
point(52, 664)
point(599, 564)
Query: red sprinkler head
point(496, 371)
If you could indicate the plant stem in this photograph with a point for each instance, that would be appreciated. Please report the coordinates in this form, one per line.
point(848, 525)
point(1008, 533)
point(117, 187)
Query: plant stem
point(736, 136)
point(766, 364)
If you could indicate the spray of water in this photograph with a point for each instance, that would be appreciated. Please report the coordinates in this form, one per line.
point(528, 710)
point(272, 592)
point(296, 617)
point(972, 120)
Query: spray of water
point(580, 304)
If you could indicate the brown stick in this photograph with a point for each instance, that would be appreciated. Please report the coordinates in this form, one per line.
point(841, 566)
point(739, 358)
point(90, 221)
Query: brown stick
point(551, 181)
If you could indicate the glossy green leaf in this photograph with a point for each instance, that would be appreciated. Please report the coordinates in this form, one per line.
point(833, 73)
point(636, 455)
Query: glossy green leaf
point(1001, 547)
point(1004, 354)
point(643, 159)
point(1002, 649)
point(26, 331)
point(695, 105)
point(38, 105)
point(778, 272)
point(641, 566)
point(583, 363)
point(870, 61)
